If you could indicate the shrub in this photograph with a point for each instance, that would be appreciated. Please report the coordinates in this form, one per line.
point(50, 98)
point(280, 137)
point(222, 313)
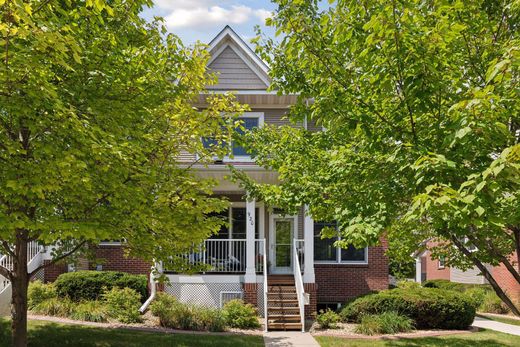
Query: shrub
point(90, 311)
point(240, 315)
point(430, 308)
point(443, 284)
point(211, 319)
point(60, 307)
point(491, 303)
point(328, 319)
point(384, 323)
point(39, 292)
point(90, 285)
point(176, 315)
point(408, 285)
point(477, 295)
point(123, 304)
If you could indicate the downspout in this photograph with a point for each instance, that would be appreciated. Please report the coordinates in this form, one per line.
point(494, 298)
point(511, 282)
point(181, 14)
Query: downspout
point(153, 292)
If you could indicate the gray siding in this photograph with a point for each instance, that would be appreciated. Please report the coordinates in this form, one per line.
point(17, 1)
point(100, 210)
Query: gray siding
point(470, 276)
point(233, 73)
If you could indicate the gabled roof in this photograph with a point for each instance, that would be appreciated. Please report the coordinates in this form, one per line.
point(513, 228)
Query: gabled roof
point(236, 58)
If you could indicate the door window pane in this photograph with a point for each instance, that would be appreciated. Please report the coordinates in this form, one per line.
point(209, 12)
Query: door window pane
point(283, 242)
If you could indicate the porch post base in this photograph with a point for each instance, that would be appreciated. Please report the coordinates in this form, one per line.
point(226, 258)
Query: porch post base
point(250, 293)
point(311, 309)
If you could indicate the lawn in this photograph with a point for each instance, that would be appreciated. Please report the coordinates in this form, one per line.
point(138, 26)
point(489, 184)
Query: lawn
point(46, 334)
point(483, 338)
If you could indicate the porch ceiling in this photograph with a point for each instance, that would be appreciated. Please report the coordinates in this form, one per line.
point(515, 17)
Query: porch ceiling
point(222, 176)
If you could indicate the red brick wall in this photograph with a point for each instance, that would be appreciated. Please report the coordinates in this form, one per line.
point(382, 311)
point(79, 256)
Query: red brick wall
point(311, 289)
point(339, 282)
point(506, 281)
point(112, 258)
point(250, 293)
point(50, 273)
point(432, 269)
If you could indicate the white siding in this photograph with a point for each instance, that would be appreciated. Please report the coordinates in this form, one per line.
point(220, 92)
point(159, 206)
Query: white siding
point(470, 276)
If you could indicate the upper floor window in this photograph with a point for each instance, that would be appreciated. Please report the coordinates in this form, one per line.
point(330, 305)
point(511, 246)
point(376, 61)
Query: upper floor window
point(325, 251)
point(250, 121)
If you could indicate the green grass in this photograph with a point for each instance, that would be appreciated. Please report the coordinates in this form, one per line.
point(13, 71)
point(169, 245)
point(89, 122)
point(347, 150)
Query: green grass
point(501, 319)
point(483, 338)
point(46, 334)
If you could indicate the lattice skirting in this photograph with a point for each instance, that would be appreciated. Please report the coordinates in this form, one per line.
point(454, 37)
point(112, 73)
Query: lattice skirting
point(205, 294)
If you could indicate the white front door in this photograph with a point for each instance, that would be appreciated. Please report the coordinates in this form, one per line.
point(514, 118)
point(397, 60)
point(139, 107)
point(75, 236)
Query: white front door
point(281, 238)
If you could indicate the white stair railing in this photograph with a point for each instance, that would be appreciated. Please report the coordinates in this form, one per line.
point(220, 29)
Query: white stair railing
point(298, 281)
point(6, 261)
point(264, 256)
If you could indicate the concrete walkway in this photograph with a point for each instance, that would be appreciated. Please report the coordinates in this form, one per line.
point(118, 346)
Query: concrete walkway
point(289, 338)
point(497, 326)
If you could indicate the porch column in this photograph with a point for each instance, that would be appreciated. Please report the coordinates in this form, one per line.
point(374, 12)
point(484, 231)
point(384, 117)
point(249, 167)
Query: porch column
point(308, 236)
point(418, 269)
point(250, 276)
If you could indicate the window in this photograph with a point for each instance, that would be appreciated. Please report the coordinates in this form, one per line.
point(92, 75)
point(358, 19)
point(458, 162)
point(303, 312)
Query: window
point(325, 251)
point(250, 120)
point(442, 262)
point(236, 228)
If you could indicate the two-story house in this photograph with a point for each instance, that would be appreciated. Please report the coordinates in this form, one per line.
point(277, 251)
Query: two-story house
point(275, 261)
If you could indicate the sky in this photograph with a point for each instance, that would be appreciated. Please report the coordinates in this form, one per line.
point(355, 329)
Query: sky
point(202, 20)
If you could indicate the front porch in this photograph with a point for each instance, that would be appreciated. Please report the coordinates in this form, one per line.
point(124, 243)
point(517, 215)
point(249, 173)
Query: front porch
point(257, 244)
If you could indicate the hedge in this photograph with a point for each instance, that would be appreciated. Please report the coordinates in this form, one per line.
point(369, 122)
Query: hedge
point(90, 285)
point(448, 285)
point(430, 308)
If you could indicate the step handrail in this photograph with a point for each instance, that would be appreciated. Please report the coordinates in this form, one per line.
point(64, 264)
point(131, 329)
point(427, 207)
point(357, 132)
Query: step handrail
point(265, 285)
point(298, 282)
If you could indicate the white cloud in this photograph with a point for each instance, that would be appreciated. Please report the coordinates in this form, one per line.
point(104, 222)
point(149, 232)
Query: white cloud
point(199, 14)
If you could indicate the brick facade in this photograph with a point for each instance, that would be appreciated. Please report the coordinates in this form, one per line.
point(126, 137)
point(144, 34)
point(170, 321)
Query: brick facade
point(312, 290)
point(433, 272)
point(110, 257)
point(506, 281)
point(337, 283)
point(251, 293)
point(50, 273)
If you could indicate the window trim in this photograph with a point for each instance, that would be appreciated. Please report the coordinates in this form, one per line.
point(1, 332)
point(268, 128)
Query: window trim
point(443, 261)
point(338, 260)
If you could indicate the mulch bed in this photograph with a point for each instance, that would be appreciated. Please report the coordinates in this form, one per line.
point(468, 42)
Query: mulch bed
point(150, 324)
point(346, 331)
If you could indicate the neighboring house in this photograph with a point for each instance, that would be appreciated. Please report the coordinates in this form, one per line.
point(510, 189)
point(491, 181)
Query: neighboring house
point(264, 255)
point(428, 268)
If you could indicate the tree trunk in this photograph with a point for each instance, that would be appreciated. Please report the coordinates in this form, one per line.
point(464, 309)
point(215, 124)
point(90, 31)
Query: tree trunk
point(485, 272)
point(19, 284)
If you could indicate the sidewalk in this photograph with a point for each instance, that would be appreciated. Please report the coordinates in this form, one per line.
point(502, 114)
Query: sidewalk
point(497, 326)
point(289, 338)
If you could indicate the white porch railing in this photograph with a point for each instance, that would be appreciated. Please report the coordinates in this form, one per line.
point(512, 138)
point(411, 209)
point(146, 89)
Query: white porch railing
point(298, 280)
point(226, 255)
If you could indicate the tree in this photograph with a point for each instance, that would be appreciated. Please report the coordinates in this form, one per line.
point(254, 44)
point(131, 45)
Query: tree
point(95, 107)
point(419, 102)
